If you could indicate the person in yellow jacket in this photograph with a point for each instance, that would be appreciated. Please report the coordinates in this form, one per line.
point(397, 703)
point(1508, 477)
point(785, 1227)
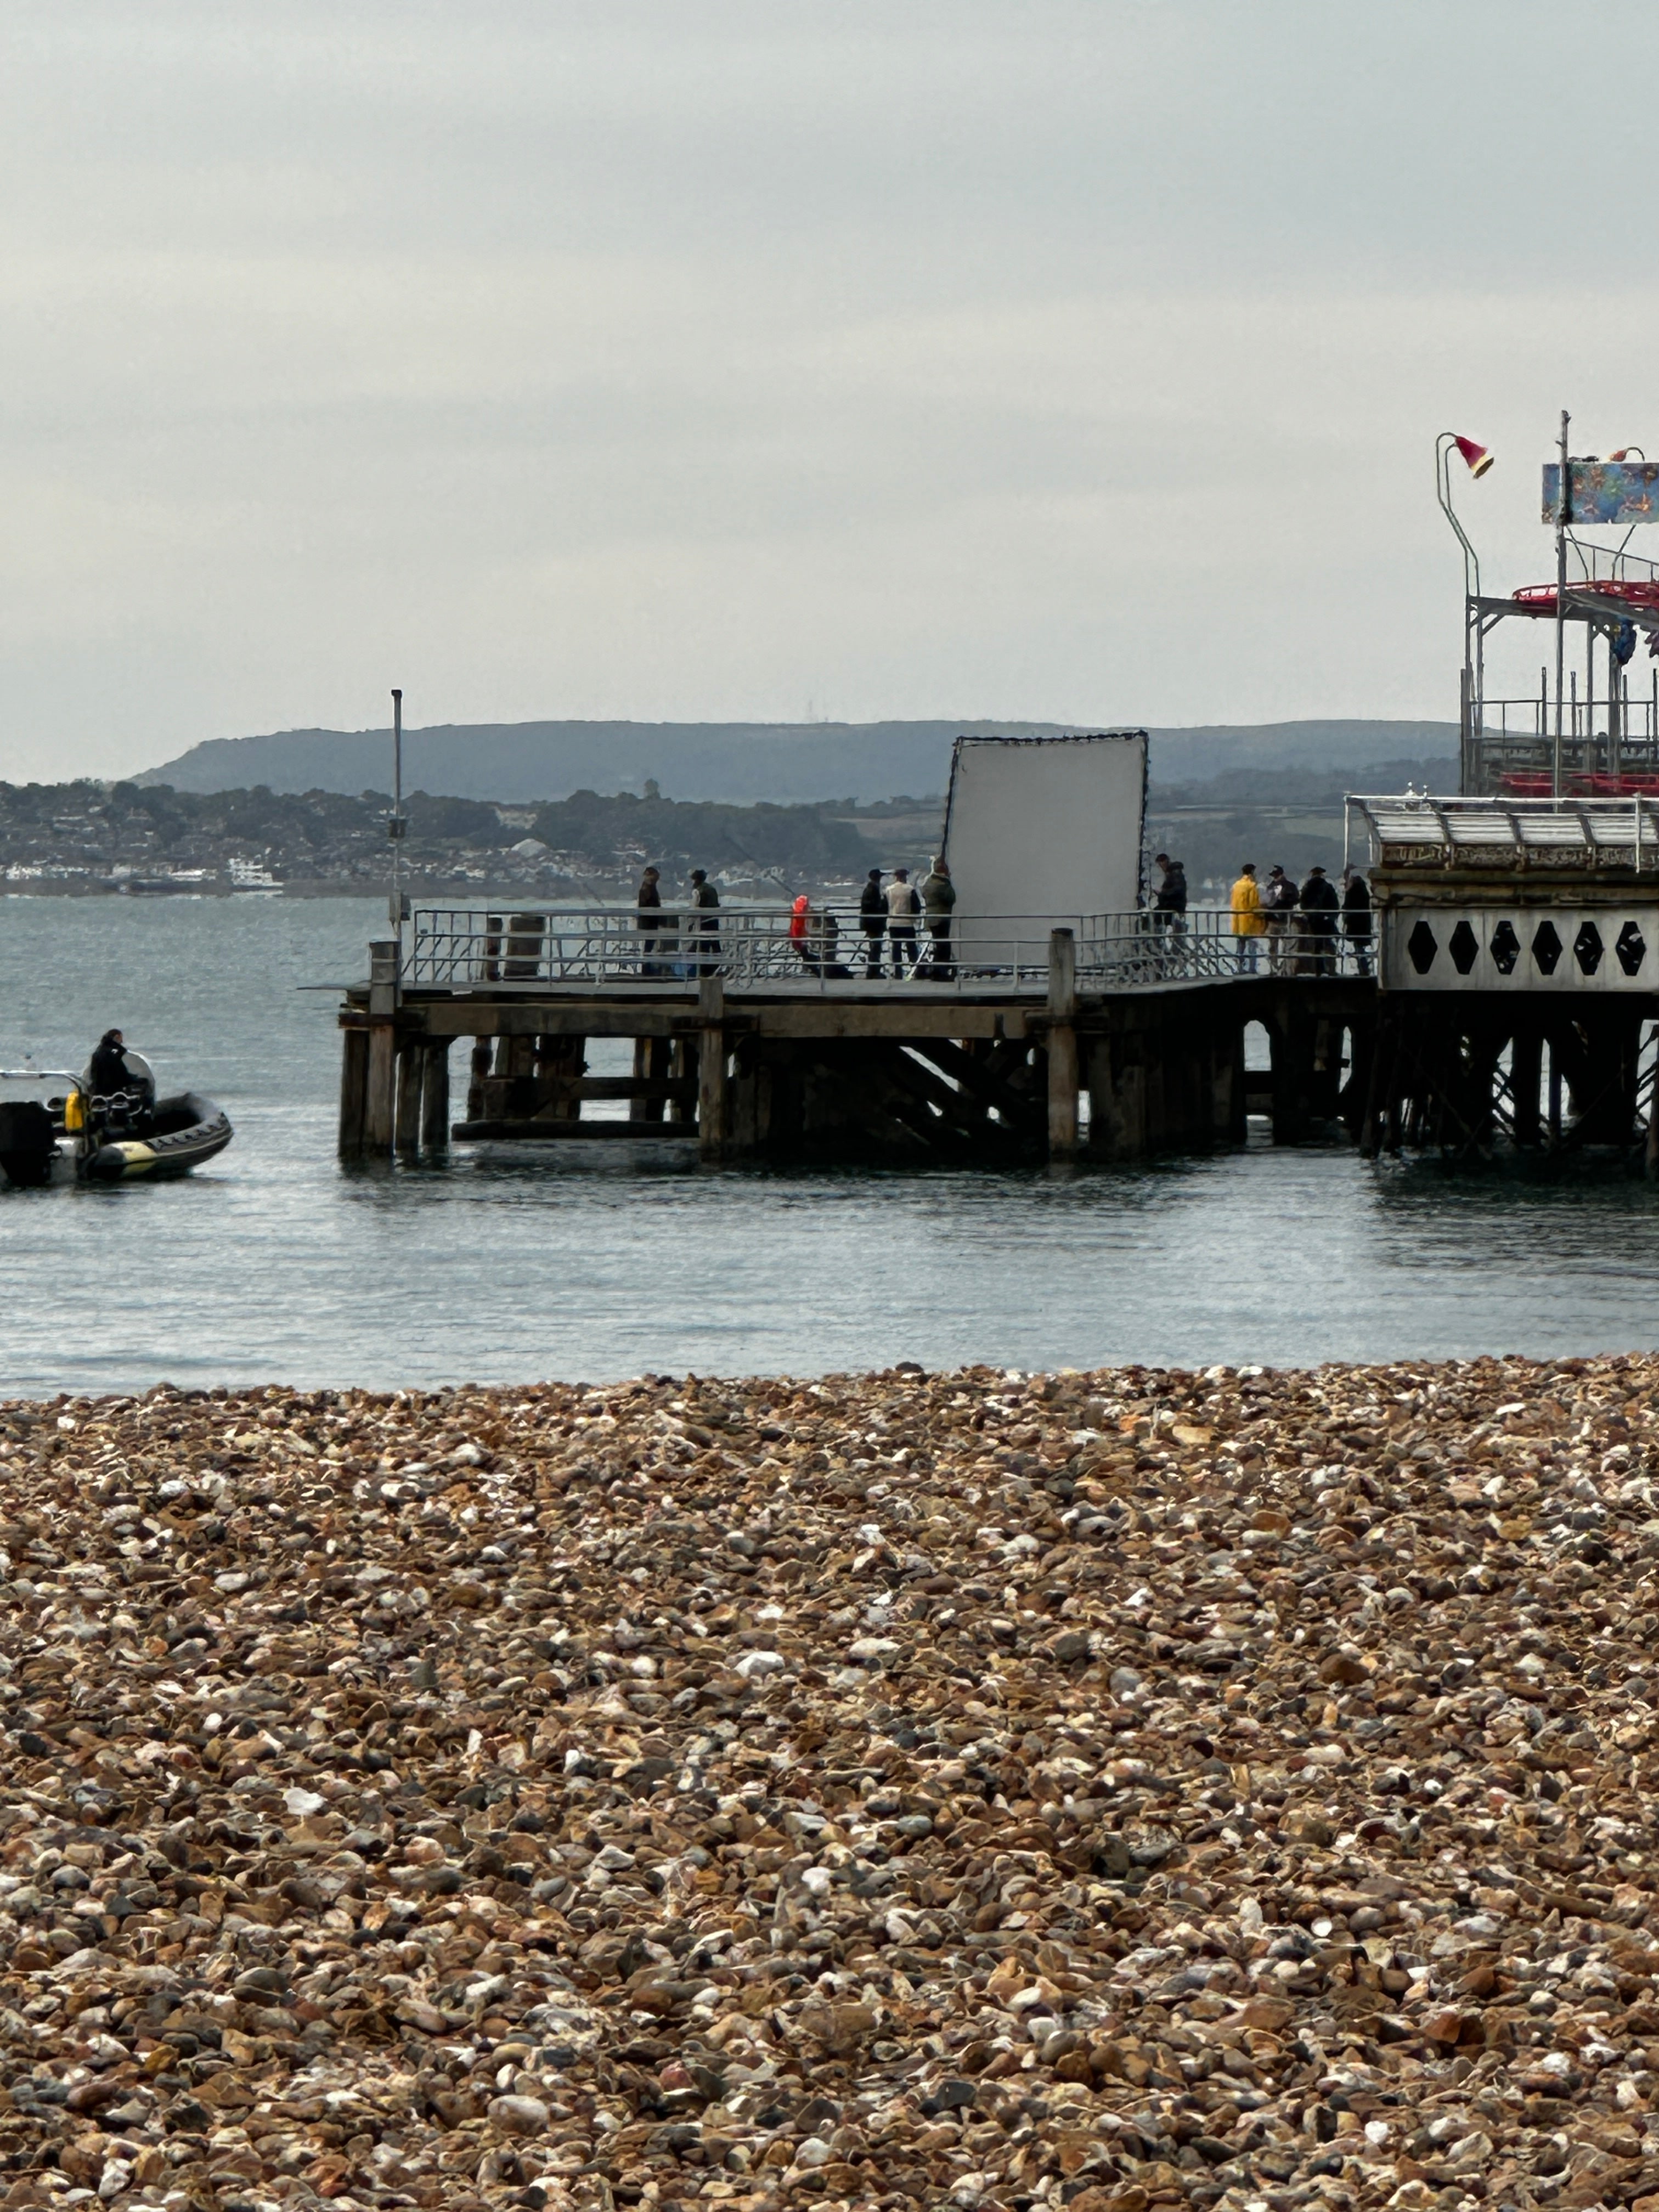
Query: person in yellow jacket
point(1248, 924)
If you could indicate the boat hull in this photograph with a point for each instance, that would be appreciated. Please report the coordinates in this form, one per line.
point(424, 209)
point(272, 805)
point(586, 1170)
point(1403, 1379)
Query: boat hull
point(187, 1130)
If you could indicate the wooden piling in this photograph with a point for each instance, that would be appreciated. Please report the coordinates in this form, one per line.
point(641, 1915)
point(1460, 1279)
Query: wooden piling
point(354, 1092)
point(435, 1099)
point(639, 1108)
point(561, 1065)
point(1062, 1045)
point(406, 1123)
point(483, 1051)
point(711, 1067)
point(379, 1120)
point(682, 1063)
point(1526, 1081)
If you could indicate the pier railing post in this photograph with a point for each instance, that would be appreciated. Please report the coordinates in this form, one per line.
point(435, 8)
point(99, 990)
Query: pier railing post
point(1062, 1045)
point(379, 1120)
point(711, 1067)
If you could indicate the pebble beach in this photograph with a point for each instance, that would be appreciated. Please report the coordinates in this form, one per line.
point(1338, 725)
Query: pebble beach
point(1119, 1790)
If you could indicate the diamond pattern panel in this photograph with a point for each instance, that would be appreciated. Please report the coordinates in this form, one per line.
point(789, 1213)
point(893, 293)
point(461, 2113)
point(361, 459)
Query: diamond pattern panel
point(1422, 945)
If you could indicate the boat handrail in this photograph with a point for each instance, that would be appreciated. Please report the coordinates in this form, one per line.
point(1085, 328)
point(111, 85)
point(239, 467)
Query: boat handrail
point(40, 1075)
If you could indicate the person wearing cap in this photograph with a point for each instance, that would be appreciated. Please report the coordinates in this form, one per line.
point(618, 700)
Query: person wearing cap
point(873, 916)
point(902, 907)
point(1169, 894)
point(1320, 904)
point(938, 898)
point(706, 900)
point(1279, 904)
point(1247, 925)
point(1169, 902)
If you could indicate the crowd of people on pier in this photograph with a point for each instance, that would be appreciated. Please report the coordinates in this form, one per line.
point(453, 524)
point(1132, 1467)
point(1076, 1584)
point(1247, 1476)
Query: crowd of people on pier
point(904, 929)
point(1298, 924)
point(889, 913)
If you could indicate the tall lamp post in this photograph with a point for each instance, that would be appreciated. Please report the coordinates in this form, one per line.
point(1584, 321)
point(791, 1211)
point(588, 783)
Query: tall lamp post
point(397, 826)
point(1478, 460)
point(1562, 517)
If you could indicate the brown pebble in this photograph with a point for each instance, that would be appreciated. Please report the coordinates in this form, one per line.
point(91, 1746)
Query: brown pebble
point(1115, 1788)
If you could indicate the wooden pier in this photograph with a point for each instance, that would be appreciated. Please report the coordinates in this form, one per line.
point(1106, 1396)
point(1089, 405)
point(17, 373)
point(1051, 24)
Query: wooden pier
point(1518, 950)
point(1106, 1060)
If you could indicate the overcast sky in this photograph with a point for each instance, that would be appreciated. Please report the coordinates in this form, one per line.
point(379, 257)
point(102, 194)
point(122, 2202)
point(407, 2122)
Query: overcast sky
point(703, 359)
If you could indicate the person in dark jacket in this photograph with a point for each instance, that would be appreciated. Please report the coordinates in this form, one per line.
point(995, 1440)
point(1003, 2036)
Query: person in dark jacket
point(1169, 903)
point(1356, 919)
point(645, 899)
point(872, 919)
point(939, 899)
point(108, 1072)
point(704, 927)
point(1319, 904)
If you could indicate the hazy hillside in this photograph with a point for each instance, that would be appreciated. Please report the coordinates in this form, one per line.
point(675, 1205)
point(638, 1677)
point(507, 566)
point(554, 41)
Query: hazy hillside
point(739, 763)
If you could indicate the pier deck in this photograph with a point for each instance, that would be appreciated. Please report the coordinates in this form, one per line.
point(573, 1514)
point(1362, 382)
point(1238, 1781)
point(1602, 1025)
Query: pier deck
point(1112, 1039)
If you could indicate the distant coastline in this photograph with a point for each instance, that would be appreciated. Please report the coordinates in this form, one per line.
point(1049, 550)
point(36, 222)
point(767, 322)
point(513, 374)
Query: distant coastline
point(851, 764)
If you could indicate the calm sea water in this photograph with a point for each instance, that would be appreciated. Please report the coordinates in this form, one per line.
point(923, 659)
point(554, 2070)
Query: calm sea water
point(275, 1265)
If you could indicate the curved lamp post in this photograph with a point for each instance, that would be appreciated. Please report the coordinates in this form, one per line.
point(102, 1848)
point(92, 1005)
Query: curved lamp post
point(1473, 682)
point(1478, 460)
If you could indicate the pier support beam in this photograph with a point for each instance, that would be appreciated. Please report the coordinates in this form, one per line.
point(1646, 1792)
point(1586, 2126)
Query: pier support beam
point(354, 1092)
point(653, 1059)
point(435, 1099)
point(379, 1120)
point(412, 1066)
point(711, 1067)
point(682, 1063)
point(1062, 1045)
point(1526, 1083)
point(483, 1051)
point(560, 1064)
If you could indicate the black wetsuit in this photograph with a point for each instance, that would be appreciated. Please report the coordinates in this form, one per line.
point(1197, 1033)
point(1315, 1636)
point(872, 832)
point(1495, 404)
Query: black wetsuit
point(109, 1070)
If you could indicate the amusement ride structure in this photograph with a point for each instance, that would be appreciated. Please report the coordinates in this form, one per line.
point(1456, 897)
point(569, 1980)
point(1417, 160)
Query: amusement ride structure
point(1597, 737)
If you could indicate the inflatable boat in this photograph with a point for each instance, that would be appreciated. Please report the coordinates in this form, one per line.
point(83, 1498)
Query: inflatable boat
point(84, 1136)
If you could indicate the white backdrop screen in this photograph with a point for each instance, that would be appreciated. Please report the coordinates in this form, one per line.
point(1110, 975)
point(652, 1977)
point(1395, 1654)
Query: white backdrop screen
point(1048, 828)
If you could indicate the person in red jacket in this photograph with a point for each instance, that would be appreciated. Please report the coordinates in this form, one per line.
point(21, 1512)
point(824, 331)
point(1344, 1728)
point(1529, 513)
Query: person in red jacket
point(800, 932)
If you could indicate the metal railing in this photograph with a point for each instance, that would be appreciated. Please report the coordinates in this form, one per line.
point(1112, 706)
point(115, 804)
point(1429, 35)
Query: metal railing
point(1590, 563)
point(622, 949)
point(1525, 723)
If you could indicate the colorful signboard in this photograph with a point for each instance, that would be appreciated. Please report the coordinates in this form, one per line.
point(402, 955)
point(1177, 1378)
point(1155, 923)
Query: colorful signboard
point(1604, 491)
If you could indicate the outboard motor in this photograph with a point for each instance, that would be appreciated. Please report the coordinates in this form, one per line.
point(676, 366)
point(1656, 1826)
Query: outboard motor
point(28, 1142)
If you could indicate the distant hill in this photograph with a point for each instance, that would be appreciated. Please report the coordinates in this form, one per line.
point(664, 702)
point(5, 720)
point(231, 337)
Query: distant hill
point(740, 763)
